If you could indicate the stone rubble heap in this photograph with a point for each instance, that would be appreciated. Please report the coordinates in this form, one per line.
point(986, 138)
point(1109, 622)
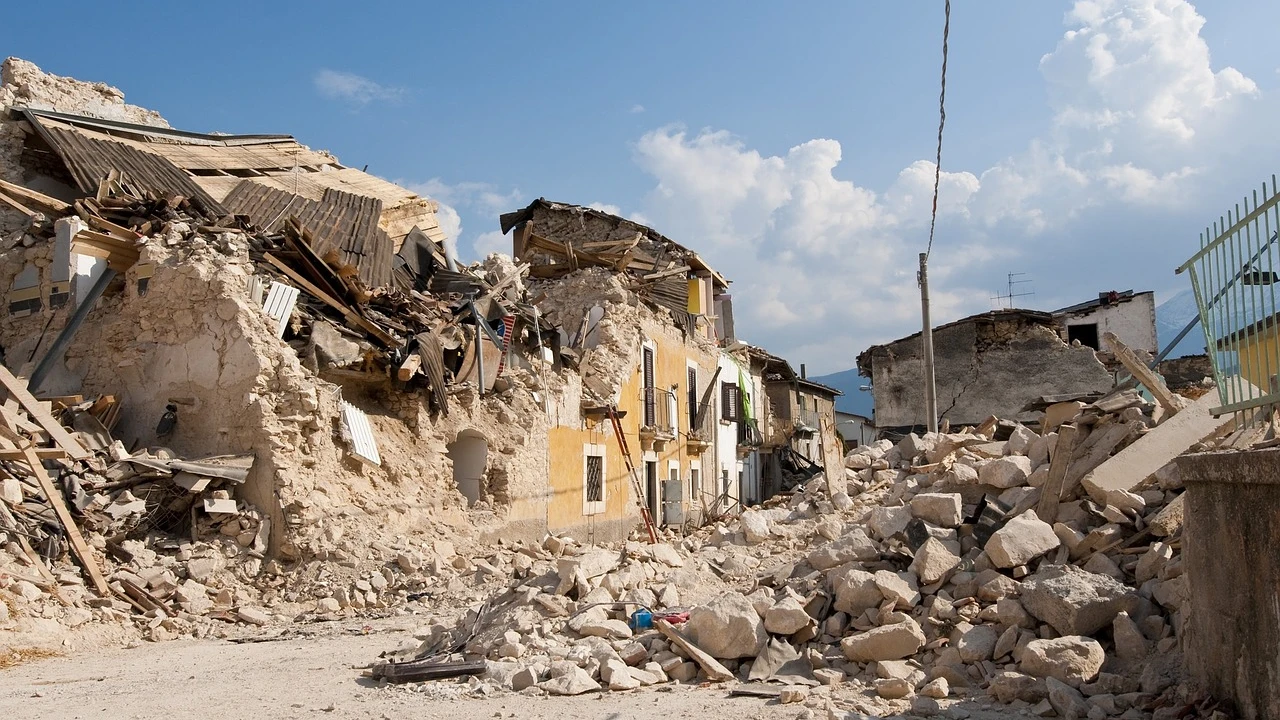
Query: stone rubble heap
point(928, 577)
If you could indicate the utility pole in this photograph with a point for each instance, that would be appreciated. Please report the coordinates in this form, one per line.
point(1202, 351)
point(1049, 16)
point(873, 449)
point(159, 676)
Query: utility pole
point(926, 339)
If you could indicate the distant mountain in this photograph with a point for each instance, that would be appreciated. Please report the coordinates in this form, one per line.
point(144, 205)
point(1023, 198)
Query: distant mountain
point(1171, 316)
point(1240, 307)
point(848, 381)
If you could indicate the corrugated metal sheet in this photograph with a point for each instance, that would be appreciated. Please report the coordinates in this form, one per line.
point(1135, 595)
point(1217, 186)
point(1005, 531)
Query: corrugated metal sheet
point(360, 434)
point(340, 221)
point(279, 305)
point(90, 159)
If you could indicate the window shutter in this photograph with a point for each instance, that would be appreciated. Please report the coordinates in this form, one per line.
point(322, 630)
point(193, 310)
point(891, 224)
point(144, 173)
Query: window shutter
point(693, 398)
point(650, 409)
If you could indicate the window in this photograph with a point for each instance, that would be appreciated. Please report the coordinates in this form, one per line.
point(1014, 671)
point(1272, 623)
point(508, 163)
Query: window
point(650, 399)
point(730, 402)
point(693, 398)
point(695, 483)
point(593, 479)
point(1087, 334)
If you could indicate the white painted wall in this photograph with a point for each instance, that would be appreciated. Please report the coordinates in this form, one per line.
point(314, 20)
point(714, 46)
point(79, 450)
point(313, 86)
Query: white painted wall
point(855, 429)
point(1134, 322)
point(726, 446)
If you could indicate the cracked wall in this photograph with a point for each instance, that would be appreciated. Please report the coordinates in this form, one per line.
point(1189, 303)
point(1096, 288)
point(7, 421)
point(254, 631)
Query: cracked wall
point(982, 368)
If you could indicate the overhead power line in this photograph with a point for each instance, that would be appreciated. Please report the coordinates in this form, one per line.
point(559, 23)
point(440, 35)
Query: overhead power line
point(942, 121)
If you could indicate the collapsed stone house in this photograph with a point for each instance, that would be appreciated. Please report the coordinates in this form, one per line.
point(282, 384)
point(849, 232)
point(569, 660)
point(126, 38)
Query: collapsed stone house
point(361, 341)
point(994, 363)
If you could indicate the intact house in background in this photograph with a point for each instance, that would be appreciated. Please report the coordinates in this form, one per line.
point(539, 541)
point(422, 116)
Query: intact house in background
point(994, 363)
point(1130, 316)
point(855, 429)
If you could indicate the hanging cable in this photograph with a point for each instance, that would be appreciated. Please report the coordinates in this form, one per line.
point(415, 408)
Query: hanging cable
point(942, 120)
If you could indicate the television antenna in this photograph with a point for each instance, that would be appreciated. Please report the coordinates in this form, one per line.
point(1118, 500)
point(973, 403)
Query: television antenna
point(1013, 290)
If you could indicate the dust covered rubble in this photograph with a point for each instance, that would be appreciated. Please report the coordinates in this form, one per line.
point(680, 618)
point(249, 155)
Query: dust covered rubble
point(931, 587)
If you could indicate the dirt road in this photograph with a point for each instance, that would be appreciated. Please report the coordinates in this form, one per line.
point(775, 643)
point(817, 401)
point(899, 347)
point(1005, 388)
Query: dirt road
point(317, 677)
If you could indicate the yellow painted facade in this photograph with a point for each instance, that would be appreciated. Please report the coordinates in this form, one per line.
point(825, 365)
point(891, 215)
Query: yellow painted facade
point(567, 447)
point(1260, 356)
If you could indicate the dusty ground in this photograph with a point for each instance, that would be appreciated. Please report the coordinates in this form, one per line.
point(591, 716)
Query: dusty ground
point(318, 677)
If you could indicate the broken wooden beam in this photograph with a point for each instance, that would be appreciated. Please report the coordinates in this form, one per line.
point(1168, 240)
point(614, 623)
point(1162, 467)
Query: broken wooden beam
point(1059, 461)
point(715, 671)
point(409, 367)
point(18, 390)
point(32, 197)
point(1145, 375)
point(78, 546)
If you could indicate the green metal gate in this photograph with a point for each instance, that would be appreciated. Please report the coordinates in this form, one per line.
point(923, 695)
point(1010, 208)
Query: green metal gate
point(1234, 276)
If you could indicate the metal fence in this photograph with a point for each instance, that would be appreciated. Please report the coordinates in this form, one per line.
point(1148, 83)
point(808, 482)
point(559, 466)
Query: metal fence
point(1234, 276)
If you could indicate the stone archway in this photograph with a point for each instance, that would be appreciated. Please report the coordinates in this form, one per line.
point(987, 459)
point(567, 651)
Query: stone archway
point(470, 456)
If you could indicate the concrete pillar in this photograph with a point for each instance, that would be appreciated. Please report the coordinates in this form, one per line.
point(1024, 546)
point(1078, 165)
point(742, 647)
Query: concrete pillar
point(1229, 543)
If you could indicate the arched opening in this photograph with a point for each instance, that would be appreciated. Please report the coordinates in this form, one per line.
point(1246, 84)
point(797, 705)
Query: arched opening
point(470, 454)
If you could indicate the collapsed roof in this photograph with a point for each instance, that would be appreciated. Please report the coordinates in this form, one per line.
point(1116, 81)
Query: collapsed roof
point(643, 248)
point(266, 178)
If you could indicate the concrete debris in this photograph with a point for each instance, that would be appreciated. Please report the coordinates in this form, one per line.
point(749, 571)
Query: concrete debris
point(1021, 540)
point(929, 584)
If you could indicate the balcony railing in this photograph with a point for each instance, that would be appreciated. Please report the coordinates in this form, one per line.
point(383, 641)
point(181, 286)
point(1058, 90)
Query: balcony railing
point(809, 419)
point(749, 434)
point(658, 412)
point(702, 423)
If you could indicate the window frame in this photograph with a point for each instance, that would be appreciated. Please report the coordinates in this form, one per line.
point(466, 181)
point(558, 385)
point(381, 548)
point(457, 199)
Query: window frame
point(595, 450)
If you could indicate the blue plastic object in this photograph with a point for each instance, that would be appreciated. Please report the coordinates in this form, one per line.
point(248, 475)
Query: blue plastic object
point(641, 620)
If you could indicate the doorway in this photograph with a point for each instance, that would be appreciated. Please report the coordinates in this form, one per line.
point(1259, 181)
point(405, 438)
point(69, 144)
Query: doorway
point(470, 455)
point(651, 489)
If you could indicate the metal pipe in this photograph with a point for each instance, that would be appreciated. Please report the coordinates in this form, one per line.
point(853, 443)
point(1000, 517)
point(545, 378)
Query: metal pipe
point(64, 338)
point(926, 339)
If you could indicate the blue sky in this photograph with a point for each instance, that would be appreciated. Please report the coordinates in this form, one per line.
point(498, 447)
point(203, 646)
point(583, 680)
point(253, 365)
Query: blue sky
point(791, 144)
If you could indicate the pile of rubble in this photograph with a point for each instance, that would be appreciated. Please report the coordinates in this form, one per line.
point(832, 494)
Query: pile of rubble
point(936, 573)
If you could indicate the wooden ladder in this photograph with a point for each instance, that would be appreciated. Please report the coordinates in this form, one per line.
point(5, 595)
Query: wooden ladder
point(631, 470)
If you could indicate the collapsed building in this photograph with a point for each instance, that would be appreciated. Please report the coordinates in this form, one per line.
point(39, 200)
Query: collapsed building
point(1002, 362)
point(994, 363)
point(180, 302)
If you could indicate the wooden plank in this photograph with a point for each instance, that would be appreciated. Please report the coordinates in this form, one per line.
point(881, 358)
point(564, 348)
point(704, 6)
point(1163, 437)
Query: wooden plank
point(11, 202)
point(1051, 493)
point(18, 390)
point(42, 453)
point(78, 545)
point(378, 333)
point(409, 367)
point(712, 667)
point(37, 198)
point(1163, 395)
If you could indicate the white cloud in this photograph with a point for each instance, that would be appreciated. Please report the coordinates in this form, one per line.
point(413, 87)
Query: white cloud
point(615, 210)
point(823, 267)
point(482, 200)
point(491, 242)
point(636, 109)
point(353, 89)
